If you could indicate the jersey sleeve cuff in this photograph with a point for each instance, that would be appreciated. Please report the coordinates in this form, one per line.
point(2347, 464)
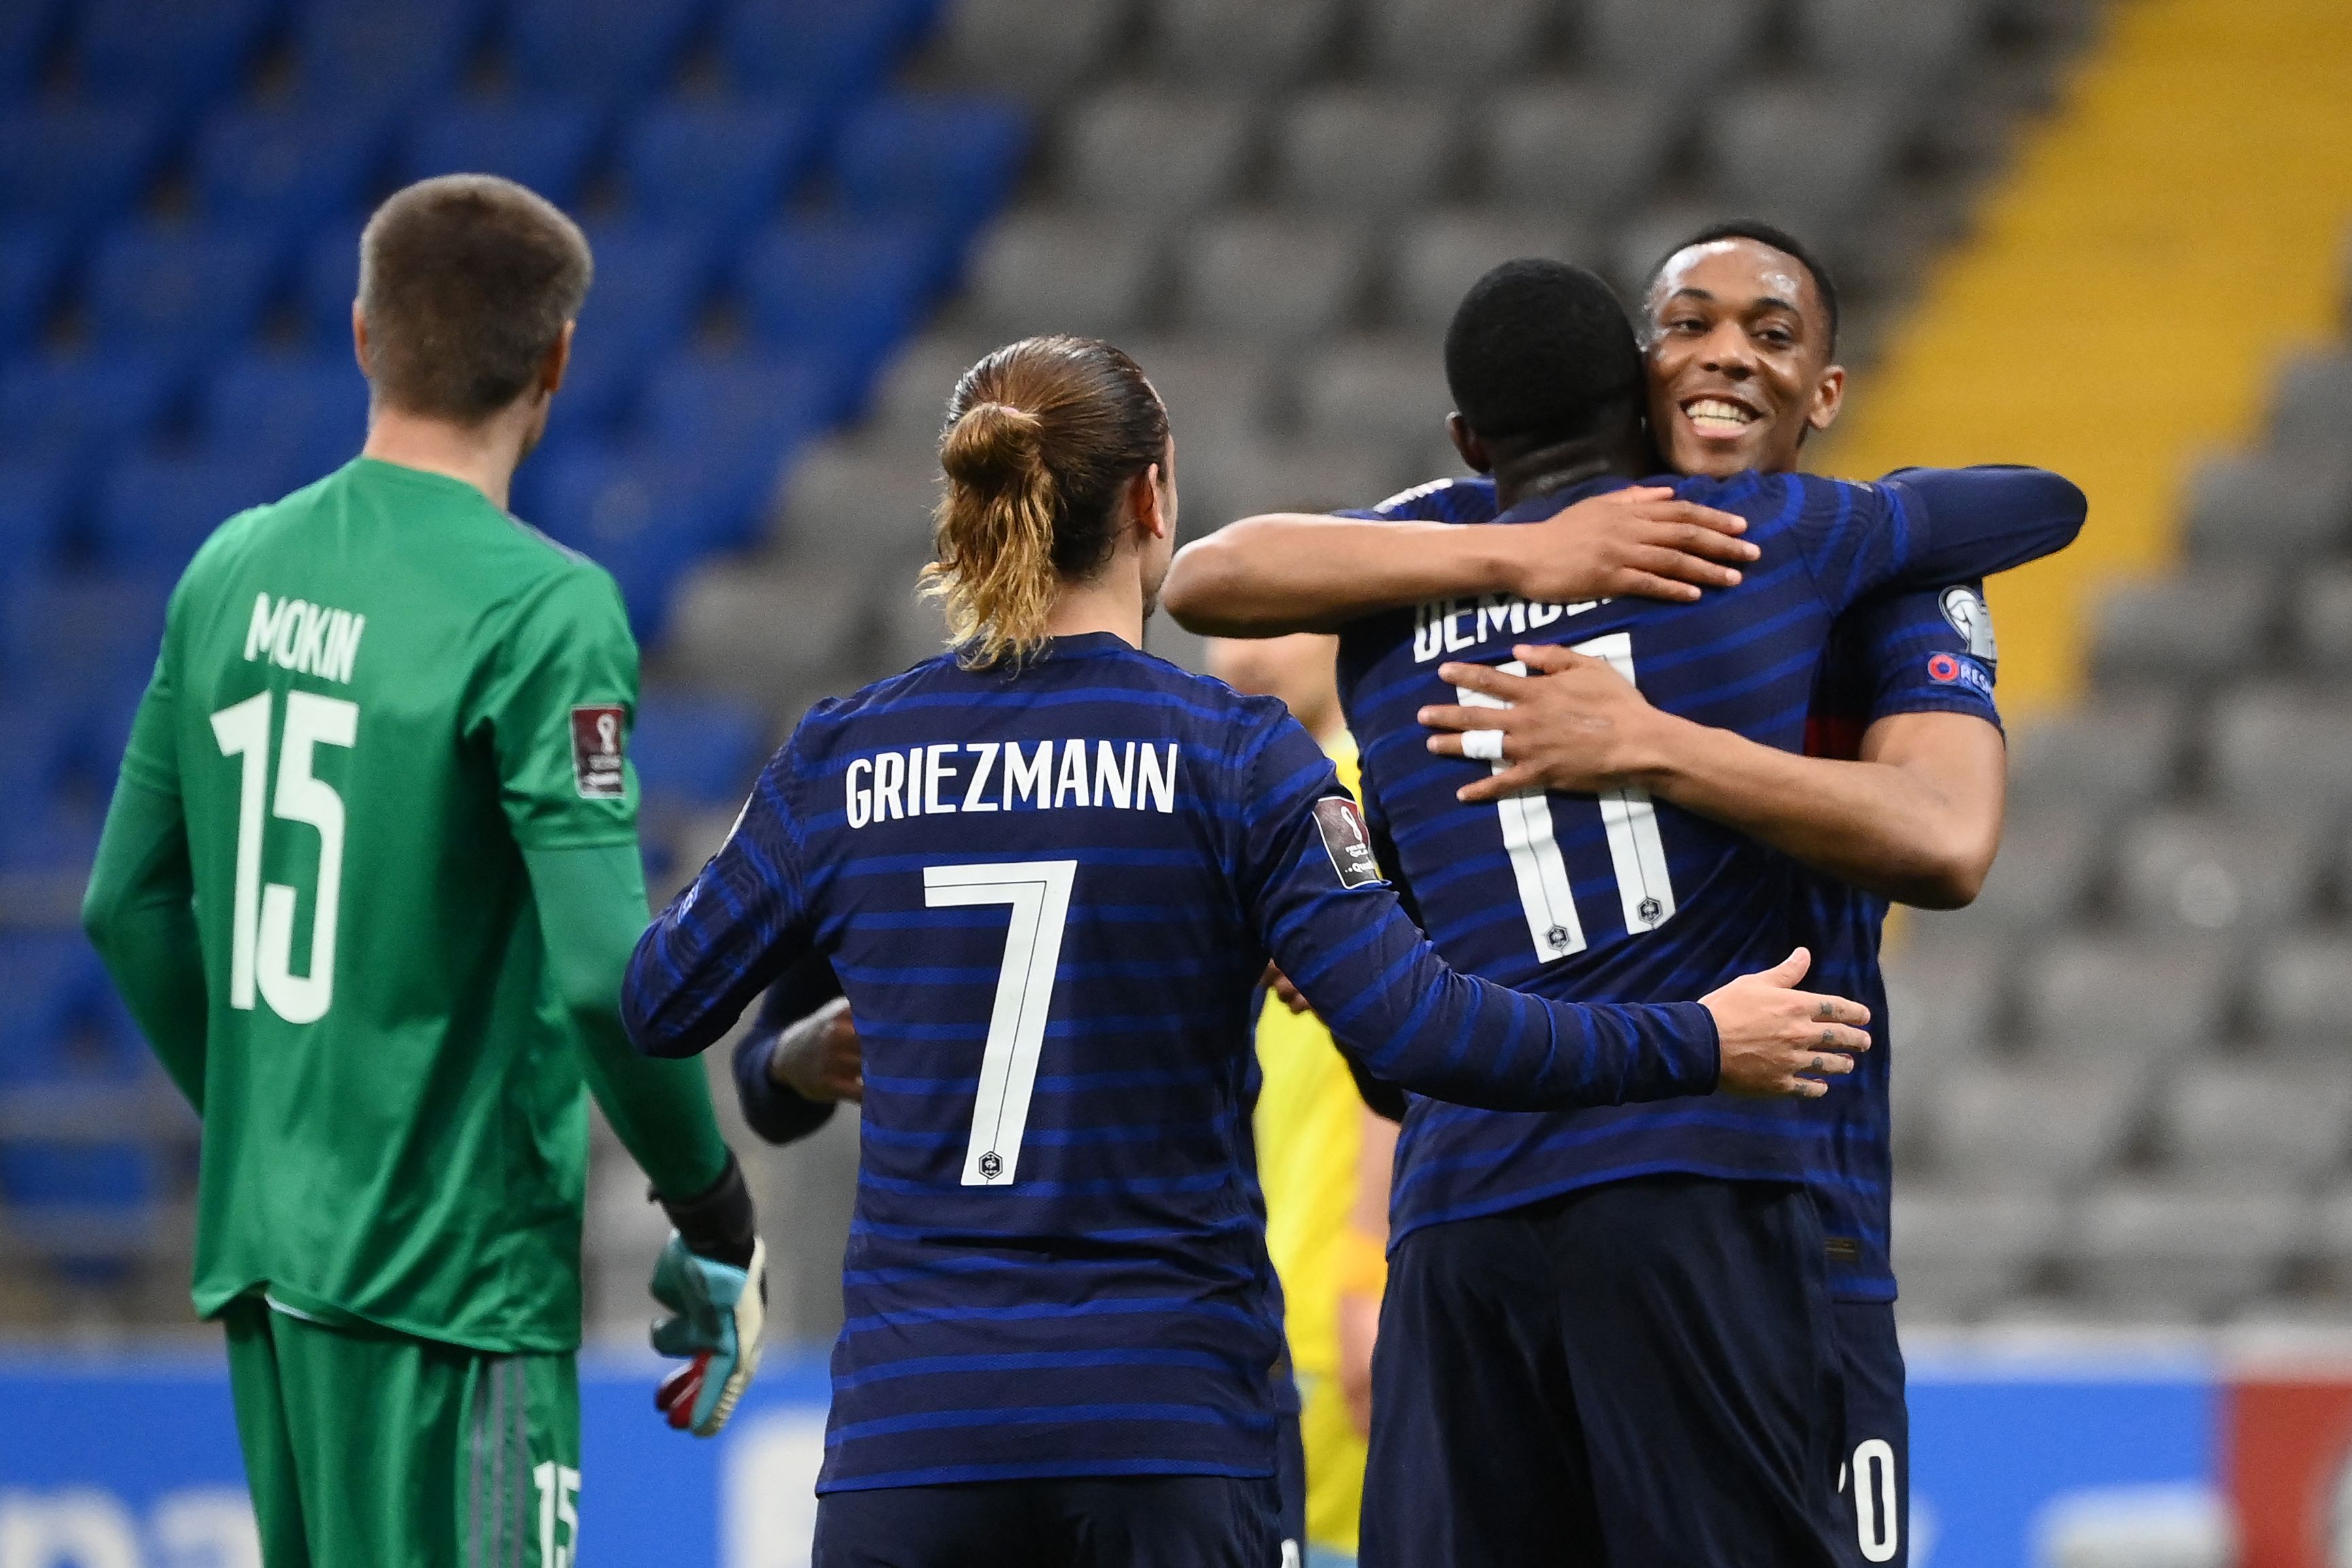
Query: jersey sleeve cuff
point(1693, 1049)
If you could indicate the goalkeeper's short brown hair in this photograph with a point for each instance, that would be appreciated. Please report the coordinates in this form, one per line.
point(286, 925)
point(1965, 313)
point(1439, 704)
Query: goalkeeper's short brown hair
point(466, 282)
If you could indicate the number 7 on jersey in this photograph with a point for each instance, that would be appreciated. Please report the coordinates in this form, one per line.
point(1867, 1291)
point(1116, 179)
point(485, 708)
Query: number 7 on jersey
point(1039, 892)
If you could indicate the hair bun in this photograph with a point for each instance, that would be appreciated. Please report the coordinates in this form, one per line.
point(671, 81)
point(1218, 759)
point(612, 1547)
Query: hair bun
point(992, 447)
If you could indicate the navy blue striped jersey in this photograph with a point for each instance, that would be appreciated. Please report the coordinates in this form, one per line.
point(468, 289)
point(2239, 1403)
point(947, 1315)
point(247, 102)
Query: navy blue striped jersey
point(1621, 897)
point(1050, 896)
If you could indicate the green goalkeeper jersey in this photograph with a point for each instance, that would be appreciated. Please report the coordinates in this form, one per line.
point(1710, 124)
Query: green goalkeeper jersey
point(372, 697)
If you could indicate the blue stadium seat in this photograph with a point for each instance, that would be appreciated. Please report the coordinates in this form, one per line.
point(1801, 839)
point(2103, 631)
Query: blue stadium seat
point(186, 52)
point(651, 282)
point(35, 504)
point(955, 159)
point(354, 52)
point(153, 511)
point(701, 748)
point(48, 835)
point(544, 144)
point(76, 165)
point(45, 742)
point(32, 264)
point(753, 403)
point(27, 29)
point(47, 980)
point(72, 408)
point(308, 409)
point(288, 165)
point(613, 51)
point(326, 281)
point(840, 291)
point(646, 514)
point(82, 634)
point(182, 293)
point(725, 164)
point(836, 51)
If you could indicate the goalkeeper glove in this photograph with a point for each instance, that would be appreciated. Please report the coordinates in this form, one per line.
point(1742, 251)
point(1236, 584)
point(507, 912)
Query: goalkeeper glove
point(713, 1276)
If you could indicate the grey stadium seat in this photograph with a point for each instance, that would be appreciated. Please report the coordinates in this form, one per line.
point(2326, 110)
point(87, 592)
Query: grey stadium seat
point(1213, 390)
point(1359, 150)
point(767, 631)
point(1044, 271)
point(2267, 507)
point(1445, 39)
point(1812, 153)
point(1386, 390)
point(1958, 1252)
point(2137, 1000)
point(2271, 1115)
point(2281, 748)
point(2049, 860)
point(910, 402)
point(2181, 1249)
point(2302, 996)
point(2182, 870)
point(1147, 151)
point(2313, 405)
point(1241, 477)
point(1442, 254)
point(912, 628)
point(1036, 47)
point(1235, 41)
point(861, 510)
point(1944, 998)
point(2117, 751)
point(2014, 1126)
point(1919, 43)
point(2201, 623)
point(1677, 43)
point(1271, 279)
point(2332, 1236)
point(2321, 614)
point(1580, 147)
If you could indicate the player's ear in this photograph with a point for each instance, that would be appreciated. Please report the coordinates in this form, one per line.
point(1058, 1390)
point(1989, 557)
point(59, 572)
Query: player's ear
point(359, 337)
point(558, 361)
point(1466, 442)
point(1145, 495)
point(1829, 396)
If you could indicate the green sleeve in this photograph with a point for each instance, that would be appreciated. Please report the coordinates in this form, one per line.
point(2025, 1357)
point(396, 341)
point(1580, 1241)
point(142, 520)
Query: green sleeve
point(591, 909)
point(557, 710)
point(139, 909)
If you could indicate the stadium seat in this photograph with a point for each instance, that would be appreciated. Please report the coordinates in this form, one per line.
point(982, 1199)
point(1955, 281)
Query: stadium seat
point(72, 408)
point(1230, 480)
point(1945, 999)
point(2096, 998)
point(29, 30)
point(326, 281)
point(2199, 1252)
point(722, 165)
point(910, 399)
point(1810, 154)
point(1271, 279)
point(1362, 150)
point(2282, 749)
point(2269, 508)
point(1675, 45)
point(762, 632)
point(652, 281)
point(545, 143)
point(613, 51)
point(701, 748)
point(1152, 155)
point(914, 625)
point(760, 405)
point(949, 160)
point(154, 511)
point(2321, 618)
point(2049, 861)
point(1042, 271)
point(2218, 872)
point(838, 289)
point(310, 409)
point(32, 265)
point(2200, 624)
point(2301, 998)
point(1215, 390)
point(1443, 253)
point(860, 514)
point(646, 513)
point(1915, 45)
point(2116, 751)
point(185, 294)
point(830, 53)
point(1464, 44)
point(2272, 1117)
point(183, 52)
point(1241, 42)
point(351, 54)
point(2311, 407)
point(36, 506)
point(1384, 390)
point(47, 980)
point(1957, 1253)
point(293, 167)
point(1034, 47)
point(2006, 1126)
point(1584, 147)
point(74, 167)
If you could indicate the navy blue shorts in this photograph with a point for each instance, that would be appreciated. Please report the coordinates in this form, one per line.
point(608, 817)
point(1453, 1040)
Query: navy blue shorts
point(1117, 1522)
point(1641, 1372)
point(1876, 1476)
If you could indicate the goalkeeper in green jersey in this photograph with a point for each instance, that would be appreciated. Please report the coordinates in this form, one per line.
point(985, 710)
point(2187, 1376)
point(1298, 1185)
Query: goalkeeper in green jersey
point(368, 883)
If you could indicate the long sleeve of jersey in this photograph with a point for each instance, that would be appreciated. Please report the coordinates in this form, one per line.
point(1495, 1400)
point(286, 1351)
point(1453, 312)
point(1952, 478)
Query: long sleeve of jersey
point(592, 905)
point(1920, 527)
point(771, 1108)
point(1338, 932)
point(140, 918)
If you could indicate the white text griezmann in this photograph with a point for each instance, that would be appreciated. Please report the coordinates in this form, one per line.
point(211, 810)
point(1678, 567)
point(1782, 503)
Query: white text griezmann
point(991, 775)
point(308, 639)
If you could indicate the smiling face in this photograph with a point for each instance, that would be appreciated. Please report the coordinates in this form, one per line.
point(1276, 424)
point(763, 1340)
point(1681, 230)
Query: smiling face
point(1738, 352)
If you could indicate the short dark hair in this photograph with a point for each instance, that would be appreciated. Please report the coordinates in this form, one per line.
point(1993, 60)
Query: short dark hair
point(466, 281)
point(1762, 233)
point(1540, 352)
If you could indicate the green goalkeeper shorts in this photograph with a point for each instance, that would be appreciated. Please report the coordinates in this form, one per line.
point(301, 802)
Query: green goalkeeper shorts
point(371, 1449)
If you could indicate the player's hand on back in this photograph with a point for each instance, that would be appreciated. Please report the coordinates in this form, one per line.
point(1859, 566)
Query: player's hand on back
point(1640, 541)
point(1285, 992)
point(712, 1275)
point(1572, 722)
point(1780, 1042)
point(820, 1058)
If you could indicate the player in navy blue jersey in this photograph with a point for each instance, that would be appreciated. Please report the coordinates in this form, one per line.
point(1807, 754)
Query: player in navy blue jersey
point(1048, 870)
point(1606, 906)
